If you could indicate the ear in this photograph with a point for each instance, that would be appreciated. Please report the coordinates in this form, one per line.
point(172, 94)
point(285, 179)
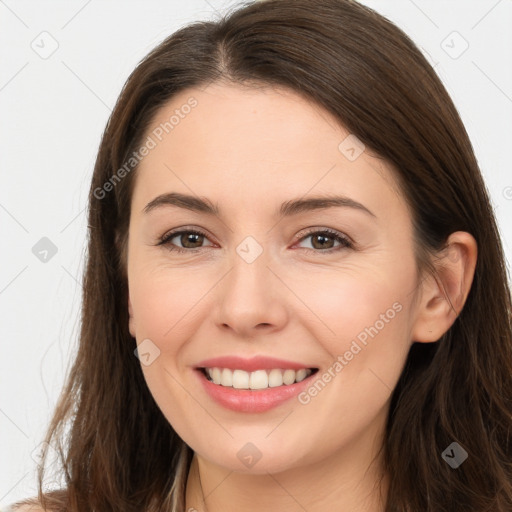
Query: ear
point(443, 295)
point(131, 320)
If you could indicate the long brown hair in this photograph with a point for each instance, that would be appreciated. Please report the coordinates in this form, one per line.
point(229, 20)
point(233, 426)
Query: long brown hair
point(120, 452)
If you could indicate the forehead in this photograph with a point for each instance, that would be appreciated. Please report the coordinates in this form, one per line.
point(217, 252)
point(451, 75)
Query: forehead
point(245, 120)
point(259, 145)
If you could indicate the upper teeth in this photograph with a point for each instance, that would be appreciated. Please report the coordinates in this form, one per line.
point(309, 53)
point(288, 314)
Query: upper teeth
point(260, 379)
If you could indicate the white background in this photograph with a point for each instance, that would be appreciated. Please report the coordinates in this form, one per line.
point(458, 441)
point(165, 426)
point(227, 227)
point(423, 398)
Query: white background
point(53, 112)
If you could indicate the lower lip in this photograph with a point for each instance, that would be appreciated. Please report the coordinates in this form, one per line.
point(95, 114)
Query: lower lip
point(247, 400)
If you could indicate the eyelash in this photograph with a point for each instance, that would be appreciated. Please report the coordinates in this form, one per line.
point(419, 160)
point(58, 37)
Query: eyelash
point(345, 242)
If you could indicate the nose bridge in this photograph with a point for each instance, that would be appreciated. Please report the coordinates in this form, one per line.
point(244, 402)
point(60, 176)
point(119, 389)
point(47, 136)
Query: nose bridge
point(250, 274)
point(249, 294)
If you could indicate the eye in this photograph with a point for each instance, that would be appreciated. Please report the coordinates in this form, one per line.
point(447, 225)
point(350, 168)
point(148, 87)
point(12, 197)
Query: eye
point(192, 240)
point(320, 239)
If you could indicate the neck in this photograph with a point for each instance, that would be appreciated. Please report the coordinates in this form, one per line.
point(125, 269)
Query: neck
point(349, 479)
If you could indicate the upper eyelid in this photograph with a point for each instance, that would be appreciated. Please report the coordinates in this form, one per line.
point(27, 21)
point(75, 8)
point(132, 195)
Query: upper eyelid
point(303, 232)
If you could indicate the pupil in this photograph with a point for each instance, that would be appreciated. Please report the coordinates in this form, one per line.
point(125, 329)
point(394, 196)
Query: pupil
point(322, 237)
point(188, 238)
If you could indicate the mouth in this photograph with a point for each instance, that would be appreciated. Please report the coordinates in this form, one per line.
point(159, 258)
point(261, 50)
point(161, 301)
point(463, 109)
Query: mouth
point(255, 380)
point(254, 391)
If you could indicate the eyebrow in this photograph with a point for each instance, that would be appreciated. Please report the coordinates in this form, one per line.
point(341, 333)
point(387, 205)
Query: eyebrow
point(287, 209)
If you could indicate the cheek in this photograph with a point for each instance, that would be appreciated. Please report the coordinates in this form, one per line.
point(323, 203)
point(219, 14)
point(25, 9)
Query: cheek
point(364, 331)
point(166, 306)
point(354, 303)
point(163, 308)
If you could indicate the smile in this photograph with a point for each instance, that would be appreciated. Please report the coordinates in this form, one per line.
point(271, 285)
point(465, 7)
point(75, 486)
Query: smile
point(259, 379)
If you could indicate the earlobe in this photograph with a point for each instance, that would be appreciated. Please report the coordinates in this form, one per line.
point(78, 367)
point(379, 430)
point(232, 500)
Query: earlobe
point(444, 294)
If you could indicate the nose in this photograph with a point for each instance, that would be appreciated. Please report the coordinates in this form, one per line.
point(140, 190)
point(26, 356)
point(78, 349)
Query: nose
point(251, 298)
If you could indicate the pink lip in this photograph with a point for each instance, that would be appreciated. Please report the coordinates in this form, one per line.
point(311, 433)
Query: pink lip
point(247, 400)
point(250, 365)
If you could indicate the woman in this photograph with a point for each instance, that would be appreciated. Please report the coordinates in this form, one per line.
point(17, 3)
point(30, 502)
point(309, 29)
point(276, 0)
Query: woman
point(223, 363)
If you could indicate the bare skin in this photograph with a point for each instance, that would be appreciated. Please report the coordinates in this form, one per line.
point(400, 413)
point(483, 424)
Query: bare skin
point(249, 151)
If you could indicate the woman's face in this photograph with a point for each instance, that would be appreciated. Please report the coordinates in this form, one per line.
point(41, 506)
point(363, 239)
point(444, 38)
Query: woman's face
point(263, 279)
